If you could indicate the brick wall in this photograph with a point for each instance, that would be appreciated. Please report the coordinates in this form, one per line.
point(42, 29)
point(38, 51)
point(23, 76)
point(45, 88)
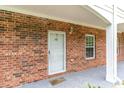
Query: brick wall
point(120, 47)
point(24, 47)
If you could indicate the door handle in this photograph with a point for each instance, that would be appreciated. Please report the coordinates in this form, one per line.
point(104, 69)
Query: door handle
point(49, 51)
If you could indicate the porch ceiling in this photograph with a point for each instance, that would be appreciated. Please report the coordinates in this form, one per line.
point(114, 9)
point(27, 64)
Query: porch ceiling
point(121, 27)
point(69, 13)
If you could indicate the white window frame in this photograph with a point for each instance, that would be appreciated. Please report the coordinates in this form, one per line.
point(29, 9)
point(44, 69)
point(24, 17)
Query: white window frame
point(94, 48)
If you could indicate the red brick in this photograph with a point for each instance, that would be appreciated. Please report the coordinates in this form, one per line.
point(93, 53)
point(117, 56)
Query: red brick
point(24, 47)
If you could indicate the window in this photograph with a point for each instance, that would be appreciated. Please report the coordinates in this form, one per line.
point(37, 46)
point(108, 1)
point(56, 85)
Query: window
point(90, 46)
point(118, 46)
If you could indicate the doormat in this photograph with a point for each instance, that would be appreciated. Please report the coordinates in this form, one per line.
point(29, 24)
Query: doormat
point(57, 81)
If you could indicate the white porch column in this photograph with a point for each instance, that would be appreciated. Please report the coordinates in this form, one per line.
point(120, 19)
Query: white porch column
point(111, 50)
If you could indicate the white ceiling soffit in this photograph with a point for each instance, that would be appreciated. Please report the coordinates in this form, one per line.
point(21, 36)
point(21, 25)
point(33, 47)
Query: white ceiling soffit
point(121, 18)
point(69, 13)
point(106, 12)
point(96, 13)
point(121, 27)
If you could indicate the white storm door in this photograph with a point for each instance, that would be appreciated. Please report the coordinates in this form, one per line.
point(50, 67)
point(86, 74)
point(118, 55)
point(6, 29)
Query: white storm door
point(56, 52)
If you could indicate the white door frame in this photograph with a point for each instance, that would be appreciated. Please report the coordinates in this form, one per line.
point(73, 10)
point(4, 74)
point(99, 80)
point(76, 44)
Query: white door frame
point(57, 32)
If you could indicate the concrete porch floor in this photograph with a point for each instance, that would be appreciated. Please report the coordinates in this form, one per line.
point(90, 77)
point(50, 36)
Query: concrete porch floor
point(94, 76)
